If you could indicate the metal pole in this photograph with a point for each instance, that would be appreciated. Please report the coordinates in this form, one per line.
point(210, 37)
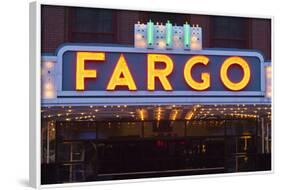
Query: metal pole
point(48, 143)
point(267, 137)
point(262, 135)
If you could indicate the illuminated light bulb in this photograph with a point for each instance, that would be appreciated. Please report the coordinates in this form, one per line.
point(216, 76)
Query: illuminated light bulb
point(138, 36)
point(193, 39)
point(49, 94)
point(140, 44)
point(142, 114)
point(161, 44)
point(48, 86)
point(49, 64)
point(48, 90)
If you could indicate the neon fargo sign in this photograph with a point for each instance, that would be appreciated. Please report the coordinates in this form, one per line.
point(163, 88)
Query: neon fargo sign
point(122, 76)
point(132, 70)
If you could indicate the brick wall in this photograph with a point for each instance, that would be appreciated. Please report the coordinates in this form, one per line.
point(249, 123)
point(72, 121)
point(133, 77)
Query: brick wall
point(261, 37)
point(53, 28)
point(125, 26)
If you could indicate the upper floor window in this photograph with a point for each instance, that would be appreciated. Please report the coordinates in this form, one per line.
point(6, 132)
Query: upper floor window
point(229, 32)
point(92, 25)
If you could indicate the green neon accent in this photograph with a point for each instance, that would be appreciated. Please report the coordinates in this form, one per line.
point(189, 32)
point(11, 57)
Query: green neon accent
point(186, 35)
point(169, 33)
point(150, 27)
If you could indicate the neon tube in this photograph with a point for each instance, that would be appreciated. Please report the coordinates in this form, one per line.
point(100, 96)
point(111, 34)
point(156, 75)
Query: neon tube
point(186, 37)
point(169, 34)
point(150, 27)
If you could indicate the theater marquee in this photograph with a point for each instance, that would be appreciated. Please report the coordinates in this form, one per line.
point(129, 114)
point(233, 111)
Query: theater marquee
point(91, 71)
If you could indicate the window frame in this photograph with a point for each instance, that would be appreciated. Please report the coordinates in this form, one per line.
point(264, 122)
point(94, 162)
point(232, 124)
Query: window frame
point(246, 42)
point(71, 18)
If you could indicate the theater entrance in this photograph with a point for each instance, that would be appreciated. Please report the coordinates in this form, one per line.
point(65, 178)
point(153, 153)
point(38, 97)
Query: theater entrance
point(192, 140)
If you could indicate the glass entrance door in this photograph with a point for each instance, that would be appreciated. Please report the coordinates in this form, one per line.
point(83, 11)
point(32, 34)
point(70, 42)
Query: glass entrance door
point(88, 151)
point(241, 145)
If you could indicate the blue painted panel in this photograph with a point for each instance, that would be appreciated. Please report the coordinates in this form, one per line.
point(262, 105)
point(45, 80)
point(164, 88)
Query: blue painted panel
point(137, 63)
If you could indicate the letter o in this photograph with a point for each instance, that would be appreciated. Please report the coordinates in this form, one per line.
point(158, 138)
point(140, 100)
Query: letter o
point(235, 86)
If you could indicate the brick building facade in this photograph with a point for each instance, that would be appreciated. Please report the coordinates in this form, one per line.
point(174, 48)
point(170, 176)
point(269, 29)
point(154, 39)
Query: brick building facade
point(84, 25)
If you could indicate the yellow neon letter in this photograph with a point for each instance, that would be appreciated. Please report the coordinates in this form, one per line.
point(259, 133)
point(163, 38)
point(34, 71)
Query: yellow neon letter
point(162, 74)
point(224, 77)
point(117, 79)
point(205, 77)
point(81, 73)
